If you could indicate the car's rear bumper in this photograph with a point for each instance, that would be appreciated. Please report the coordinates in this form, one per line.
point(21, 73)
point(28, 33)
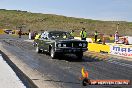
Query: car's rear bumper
point(70, 50)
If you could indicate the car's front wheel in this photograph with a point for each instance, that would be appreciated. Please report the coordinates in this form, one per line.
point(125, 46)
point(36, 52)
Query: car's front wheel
point(38, 50)
point(52, 53)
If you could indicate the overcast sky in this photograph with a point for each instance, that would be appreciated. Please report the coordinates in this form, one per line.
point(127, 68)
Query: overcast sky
point(117, 10)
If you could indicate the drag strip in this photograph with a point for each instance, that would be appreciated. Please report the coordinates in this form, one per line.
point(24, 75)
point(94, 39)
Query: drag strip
point(64, 72)
point(122, 64)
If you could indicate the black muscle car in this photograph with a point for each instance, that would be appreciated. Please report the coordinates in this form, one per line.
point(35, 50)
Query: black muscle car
point(60, 42)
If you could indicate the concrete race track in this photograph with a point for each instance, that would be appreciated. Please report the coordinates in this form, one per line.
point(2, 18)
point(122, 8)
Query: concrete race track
point(63, 72)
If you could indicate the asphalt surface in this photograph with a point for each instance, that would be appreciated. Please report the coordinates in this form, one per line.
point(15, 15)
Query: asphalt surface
point(66, 70)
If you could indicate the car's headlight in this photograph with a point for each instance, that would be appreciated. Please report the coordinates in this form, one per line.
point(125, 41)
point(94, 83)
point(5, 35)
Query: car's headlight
point(64, 45)
point(84, 45)
point(59, 45)
point(80, 44)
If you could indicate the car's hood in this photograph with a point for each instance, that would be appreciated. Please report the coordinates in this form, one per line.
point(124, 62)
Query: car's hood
point(69, 40)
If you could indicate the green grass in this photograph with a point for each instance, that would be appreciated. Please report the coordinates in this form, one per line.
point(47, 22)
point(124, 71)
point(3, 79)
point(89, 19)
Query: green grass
point(13, 19)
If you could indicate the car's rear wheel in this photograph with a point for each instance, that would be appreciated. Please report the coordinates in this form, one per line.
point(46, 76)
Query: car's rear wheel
point(34, 44)
point(79, 55)
point(38, 50)
point(52, 53)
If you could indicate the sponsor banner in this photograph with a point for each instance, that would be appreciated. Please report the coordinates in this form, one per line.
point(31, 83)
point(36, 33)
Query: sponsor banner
point(121, 51)
point(98, 47)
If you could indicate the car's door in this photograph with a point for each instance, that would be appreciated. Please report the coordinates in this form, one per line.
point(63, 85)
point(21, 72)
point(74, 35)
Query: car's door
point(47, 42)
point(42, 43)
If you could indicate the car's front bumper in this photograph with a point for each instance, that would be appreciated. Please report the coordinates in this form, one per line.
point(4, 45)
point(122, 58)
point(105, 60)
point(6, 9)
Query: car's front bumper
point(70, 50)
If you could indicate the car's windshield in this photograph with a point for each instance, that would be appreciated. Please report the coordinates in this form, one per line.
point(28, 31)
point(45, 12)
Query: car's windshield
point(59, 35)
